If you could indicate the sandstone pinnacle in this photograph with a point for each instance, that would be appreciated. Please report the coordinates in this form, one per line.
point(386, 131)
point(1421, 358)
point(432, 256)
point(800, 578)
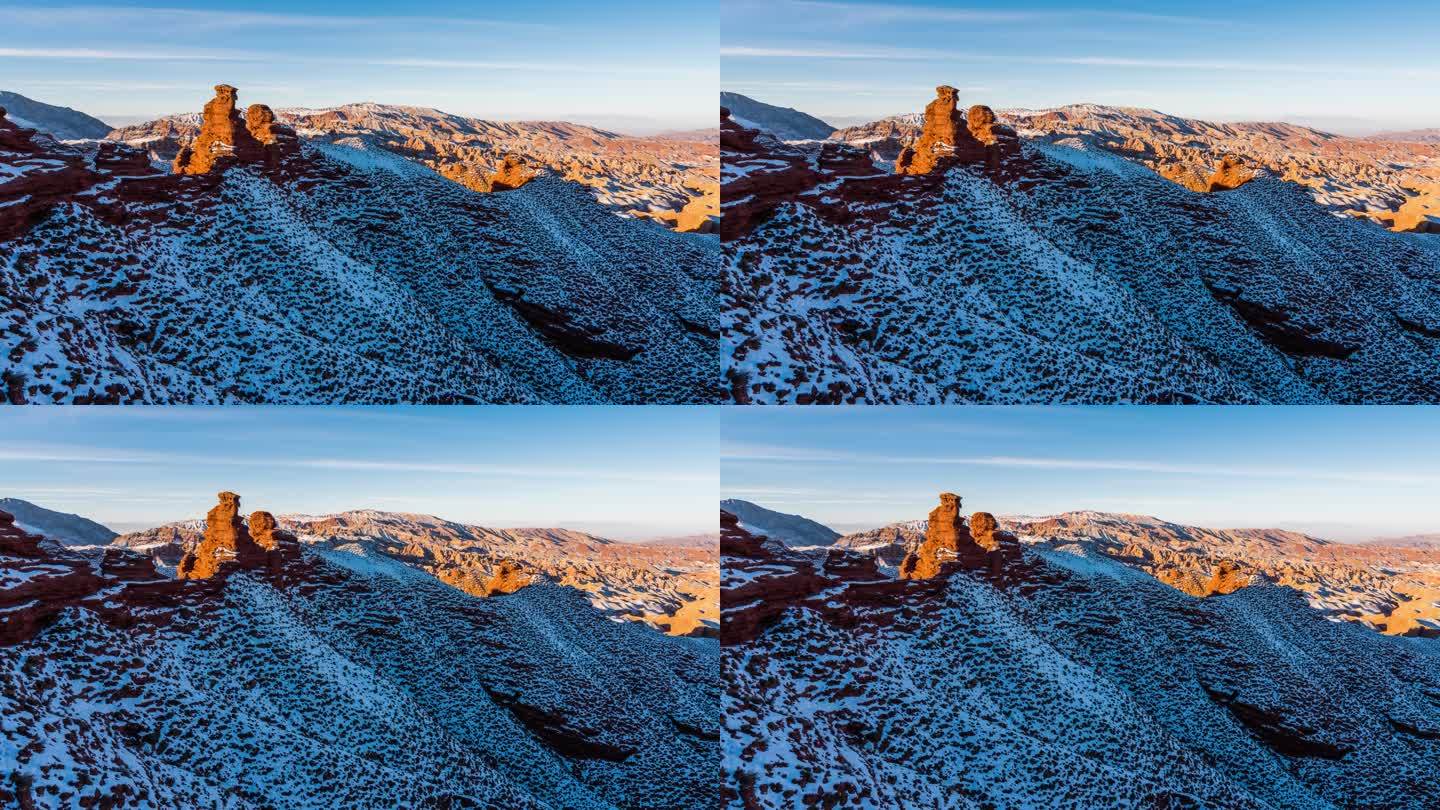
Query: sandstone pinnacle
point(226, 139)
point(227, 543)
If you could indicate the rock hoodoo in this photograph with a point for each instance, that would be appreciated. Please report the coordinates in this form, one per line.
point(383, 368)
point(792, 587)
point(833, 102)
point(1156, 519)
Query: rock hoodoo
point(226, 139)
point(950, 544)
point(227, 543)
point(947, 542)
point(1000, 141)
point(944, 141)
point(279, 545)
point(512, 174)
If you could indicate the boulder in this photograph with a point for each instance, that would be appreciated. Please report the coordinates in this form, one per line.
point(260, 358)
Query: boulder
point(1232, 173)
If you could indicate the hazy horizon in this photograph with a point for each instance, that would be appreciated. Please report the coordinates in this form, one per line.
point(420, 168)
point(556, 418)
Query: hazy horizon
point(616, 471)
point(567, 60)
point(1328, 65)
point(1342, 473)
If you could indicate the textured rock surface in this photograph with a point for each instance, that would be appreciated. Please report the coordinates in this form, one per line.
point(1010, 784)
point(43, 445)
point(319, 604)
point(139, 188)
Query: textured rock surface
point(944, 139)
point(1383, 178)
point(223, 138)
point(1387, 587)
point(227, 543)
point(1392, 585)
point(509, 577)
point(513, 173)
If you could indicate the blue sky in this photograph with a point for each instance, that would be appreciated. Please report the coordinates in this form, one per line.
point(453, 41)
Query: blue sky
point(636, 66)
point(1337, 64)
point(1340, 472)
point(625, 472)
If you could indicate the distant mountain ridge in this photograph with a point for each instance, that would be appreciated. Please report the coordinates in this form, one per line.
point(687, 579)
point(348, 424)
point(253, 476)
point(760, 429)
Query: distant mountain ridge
point(666, 178)
point(792, 530)
point(1391, 585)
point(1392, 180)
point(1412, 135)
point(59, 122)
point(783, 122)
point(67, 529)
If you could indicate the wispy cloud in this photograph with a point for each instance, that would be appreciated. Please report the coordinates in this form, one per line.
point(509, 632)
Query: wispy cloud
point(128, 55)
point(760, 453)
point(278, 57)
point(164, 18)
point(86, 455)
point(933, 55)
point(828, 12)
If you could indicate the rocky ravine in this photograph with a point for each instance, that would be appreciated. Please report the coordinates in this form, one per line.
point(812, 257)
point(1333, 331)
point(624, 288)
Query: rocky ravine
point(993, 268)
point(1385, 585)
point(672, 588)
point(307, 677)
point(279, 270)
point(670, 180)
point(1002, 675)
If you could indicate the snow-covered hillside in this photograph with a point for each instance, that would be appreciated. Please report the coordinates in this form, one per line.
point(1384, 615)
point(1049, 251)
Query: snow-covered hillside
point(1067, 274)
point(349, 274)
point(343, 679)
point(1062, 679)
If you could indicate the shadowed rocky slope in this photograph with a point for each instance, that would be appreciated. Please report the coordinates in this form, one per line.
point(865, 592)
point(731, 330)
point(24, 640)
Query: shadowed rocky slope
point(1055, 270)
point(287, 271)
point(337, 677)
point(1055, 677)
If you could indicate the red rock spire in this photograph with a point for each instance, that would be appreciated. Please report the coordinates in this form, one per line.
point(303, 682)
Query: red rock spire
point(225, 138)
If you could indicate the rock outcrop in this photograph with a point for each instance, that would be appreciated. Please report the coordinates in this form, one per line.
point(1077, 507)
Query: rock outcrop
point(512, 174)
point(1232, 173)
point(762, 174)
point(948, 544)
point(280, 546)
point(944, 141)
point(226, 139)
point(762, 579)
point(509, 577)
point(227, 543)
point(1000, 141)
point(40, 580)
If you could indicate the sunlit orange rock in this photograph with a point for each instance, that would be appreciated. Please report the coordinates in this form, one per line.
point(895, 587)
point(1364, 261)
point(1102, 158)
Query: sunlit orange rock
point(512, 174)
point(944, 141)
point(227, 543)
